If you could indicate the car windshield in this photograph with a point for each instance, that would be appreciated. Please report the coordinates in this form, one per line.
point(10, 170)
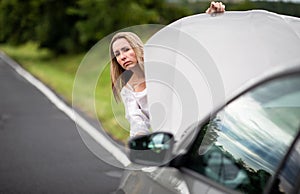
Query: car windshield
point(242, 146)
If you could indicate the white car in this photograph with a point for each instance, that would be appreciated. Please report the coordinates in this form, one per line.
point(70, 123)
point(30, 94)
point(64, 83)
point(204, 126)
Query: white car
point(231, 125)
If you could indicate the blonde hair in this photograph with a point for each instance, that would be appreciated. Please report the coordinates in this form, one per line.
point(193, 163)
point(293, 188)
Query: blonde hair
point(119, 77)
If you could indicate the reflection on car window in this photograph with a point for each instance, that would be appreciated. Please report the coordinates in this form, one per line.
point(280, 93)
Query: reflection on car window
point(242, 146)
point(290, 172)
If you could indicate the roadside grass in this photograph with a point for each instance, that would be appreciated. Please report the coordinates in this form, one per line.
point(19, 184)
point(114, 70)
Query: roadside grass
point(58, 72)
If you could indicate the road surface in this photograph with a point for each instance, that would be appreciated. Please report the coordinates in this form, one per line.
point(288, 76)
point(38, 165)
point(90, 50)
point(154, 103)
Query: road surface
point(41, 150)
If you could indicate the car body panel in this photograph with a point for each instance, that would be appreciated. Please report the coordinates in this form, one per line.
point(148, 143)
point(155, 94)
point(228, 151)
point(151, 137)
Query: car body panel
point(165, 180)
point(238, 51)
point(198, 63)
point(249, 154)
point(154, 180)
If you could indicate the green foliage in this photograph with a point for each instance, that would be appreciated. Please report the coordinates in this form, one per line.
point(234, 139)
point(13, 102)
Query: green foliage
point(74, 26)
point(280, 7)
point(16, 22)
point(100, 18)
point(55, 28)
point(43, 21)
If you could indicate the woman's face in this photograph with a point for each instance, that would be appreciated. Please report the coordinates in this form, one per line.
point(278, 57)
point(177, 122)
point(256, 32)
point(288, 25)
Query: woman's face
point(124, 53)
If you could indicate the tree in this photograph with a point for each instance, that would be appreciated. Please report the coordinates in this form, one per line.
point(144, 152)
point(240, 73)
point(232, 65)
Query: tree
point(99, 18)
point(16, 22)
point(55, 29)
point(42, 21)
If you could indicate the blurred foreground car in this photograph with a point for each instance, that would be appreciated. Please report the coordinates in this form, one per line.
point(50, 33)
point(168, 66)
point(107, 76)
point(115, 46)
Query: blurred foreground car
point(250, 141)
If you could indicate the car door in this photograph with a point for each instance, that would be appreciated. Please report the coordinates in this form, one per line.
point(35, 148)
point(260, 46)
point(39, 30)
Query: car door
point(241, 147)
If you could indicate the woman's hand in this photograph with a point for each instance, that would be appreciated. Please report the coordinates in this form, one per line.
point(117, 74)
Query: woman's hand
point(215, 7)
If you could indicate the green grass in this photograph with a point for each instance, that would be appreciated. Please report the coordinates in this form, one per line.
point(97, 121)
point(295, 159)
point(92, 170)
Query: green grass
point(59, 73)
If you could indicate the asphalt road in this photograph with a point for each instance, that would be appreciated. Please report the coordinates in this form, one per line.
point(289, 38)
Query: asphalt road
point(41, 150)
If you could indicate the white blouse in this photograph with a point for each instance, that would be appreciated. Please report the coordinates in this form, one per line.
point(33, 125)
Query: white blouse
point(136, 110)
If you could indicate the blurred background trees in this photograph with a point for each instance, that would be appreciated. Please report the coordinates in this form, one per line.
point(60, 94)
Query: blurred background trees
point(73, 26)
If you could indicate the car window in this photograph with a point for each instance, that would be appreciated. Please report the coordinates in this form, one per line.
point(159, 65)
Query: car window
point(243, 144)
point(290, 173)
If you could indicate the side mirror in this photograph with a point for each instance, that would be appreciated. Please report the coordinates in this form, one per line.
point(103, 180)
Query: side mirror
point(154, 149)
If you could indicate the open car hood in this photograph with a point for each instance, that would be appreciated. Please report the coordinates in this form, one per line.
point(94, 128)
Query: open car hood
point(198, 63)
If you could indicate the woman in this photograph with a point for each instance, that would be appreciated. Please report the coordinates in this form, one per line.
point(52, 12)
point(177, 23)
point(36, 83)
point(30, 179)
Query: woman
point(128, 78)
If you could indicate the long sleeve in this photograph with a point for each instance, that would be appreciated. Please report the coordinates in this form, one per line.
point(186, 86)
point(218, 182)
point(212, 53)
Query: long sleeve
point(136, 112)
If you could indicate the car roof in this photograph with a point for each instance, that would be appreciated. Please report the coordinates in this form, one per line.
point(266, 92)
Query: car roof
point(199, 62)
